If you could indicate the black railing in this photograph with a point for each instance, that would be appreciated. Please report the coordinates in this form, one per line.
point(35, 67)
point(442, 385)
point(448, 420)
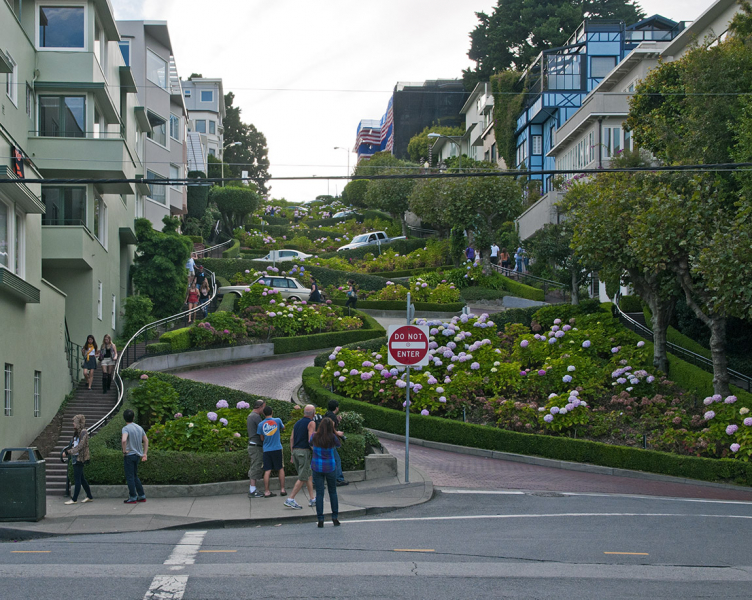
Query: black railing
point(213, 251)
point(532, 280)
point(420, 232)
point(738, 379)
point(73, 352)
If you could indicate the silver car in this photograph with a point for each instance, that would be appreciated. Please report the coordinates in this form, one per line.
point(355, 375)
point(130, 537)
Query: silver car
point(289, 288)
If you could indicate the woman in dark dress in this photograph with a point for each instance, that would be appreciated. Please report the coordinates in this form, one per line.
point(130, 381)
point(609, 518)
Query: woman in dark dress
point(89, 351)
point(315, 293)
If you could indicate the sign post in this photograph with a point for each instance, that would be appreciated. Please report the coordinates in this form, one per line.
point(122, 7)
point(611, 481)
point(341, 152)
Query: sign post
point(408, 347)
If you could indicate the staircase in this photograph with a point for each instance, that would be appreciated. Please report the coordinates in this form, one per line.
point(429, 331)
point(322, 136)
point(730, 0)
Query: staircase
point(94, 405)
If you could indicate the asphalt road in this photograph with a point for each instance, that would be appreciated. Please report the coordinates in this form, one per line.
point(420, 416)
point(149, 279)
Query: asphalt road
point(460, 545)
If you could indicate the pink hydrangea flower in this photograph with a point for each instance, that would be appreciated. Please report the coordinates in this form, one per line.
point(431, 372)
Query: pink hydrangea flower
point(144, 376)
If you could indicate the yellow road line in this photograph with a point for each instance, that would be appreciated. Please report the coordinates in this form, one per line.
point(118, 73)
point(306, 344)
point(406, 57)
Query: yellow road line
point(30, 551)
point(413, 550)
point(215, 551)
point(629, 553)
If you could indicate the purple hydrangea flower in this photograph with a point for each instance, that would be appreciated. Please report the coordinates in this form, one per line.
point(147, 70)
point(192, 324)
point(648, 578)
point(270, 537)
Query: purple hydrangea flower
point(222, 404)
point(524, 344)
point(342, 379)
point(708, 401)
point(442, 399)
point(731, 429)
point(717, 398)
point(475, 366)
point(730, 400)
point(523, 373)
point(640, 344)
point(542, 372)
point(571, 368)
point(748, 422)
point(341, 364)
point(708, 415)
point(178, 415)
point(615, 349)
point(212, 416)
point(586, 344)
point(424, 412)
point(567, 378)
point(401, 384)
point(621, 381)
point(554, 410)
point(735, 447)
point(548, 418)
point(552, 340)
point(353, 371)
point(223, 421)
point(557, 321)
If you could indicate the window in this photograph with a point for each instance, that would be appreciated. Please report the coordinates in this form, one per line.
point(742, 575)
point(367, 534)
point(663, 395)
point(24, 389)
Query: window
point(627, 140)
point(62, 116)
point(125, 50)
point(175, 173)
point(212, 127)
point(175, 127)
point(187, 93)
point(99, 301)
point(156, 69)
point(37, 393)
point(65, 205)
point(616, 136)
point(20, 245)
point(158, 128)
point(11, 81)
point(5, 243)
point(606, 141)
point(100, 221)
point(157, 192)
point(600, 66)
point(207, 95)
point(631, 87)
point(139, 206)
point(62, 27)
point(29, 102)
point(201, 125)
point(114, 310)
point(8, 390)
point(212, 152)
point(537, 144)
point(522, 153)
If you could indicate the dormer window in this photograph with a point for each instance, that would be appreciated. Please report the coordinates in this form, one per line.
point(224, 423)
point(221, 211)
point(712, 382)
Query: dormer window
point(61, 27)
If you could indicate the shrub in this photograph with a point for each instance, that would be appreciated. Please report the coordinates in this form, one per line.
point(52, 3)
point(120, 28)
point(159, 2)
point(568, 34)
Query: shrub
point(179, 340)
point(159, 348)
point(233, 251)
point(196, 239)
point(155, 400)
point(228, 303)
point(197, 196)
point(473, 294)
point(137, 314)
point(234, 204)
point(630, 304)
point(367, 346)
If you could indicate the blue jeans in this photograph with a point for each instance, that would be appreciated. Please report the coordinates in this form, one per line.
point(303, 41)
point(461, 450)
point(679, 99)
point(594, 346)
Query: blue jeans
point(338, 471)
point(135, 489)
point(80, 480)
point(318, 482)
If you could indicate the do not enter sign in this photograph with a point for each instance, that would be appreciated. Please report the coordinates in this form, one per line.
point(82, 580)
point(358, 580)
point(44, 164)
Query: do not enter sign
point(408, 345)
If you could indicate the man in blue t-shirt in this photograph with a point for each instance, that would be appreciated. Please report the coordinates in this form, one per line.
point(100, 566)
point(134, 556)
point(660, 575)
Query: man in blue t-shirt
point(270, 429)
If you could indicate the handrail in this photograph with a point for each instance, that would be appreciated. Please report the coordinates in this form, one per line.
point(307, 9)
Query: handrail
point(740, 379)
point(122, 352)
point(206, 251)
point(511, 273)
point(73, 352)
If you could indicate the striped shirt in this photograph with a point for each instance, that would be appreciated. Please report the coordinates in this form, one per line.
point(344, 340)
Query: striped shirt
point(323, 460)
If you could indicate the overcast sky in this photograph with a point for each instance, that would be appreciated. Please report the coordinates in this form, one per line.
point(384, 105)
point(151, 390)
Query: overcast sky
point(305, 73)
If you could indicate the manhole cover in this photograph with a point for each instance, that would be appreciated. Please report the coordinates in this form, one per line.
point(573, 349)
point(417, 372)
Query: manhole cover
point(546, 494)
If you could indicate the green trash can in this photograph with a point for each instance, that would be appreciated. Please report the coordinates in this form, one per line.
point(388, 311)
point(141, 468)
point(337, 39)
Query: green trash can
point(23, 485)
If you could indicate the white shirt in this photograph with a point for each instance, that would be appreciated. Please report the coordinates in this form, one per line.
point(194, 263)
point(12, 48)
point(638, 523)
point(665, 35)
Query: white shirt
point(494, 250)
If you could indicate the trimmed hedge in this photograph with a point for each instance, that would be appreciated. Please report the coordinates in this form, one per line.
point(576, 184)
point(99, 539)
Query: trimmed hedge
point(472, 294)
point(521, 290)
point(373, 345)
point(411, 272)
point(327, 222)
point(228, 303)
point(630, 304)
point(559, 448)
point(402, 305)
point(196, 239)
point(178, 339)
point(371, 329)
point(159, 348)
point(233, 251)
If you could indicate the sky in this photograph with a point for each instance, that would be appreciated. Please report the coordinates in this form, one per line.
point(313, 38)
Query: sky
point(305, 73)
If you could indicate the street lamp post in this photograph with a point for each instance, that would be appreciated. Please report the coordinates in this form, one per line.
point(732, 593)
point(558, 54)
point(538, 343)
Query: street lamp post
point(456, 143)
point(348, 157)
point(223, 158)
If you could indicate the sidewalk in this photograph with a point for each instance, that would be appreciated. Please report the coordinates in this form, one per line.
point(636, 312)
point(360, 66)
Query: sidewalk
point(110, 515)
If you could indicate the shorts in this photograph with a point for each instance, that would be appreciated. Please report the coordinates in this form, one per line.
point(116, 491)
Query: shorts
point(257, 462)
point(273, 460)
point(107, 362)
point(302, 460)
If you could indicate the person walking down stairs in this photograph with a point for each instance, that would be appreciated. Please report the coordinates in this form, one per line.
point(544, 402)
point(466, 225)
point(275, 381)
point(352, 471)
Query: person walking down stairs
point(107, 357)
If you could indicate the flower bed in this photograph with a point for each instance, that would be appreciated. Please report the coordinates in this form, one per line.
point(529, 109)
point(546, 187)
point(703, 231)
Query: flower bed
point(588, 378)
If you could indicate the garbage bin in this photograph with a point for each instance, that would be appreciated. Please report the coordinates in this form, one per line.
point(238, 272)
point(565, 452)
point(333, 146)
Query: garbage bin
point(23, 487)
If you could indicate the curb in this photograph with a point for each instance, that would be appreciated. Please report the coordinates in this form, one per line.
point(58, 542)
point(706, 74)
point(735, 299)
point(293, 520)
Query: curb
point(557, 464)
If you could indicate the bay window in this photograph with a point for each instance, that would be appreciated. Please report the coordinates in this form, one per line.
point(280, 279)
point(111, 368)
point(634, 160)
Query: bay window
point(62, 116)
point(61, 27)
point(64, 205)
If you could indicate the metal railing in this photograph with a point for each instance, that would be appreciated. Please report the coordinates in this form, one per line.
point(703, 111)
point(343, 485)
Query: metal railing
point(73, 352)
point(738, 379)
point(420, 232)
point(533, 280)
point(213, 251)
point(134, 349)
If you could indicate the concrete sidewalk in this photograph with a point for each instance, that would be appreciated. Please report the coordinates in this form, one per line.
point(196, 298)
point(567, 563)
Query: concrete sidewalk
point(110, 515)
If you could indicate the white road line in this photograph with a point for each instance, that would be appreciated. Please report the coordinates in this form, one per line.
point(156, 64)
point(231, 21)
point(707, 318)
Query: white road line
point(593, 494)
point(543, 516)
point(172, 587)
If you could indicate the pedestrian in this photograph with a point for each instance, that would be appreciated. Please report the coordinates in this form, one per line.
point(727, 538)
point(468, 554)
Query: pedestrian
point(79, 456)
point(255, 448)
point(192, 300)
point(525, 260)
point(204, 296)
point(495, 253)
point(352, 294)
point(477, 258)
point(107, 357)
point(315, 293)
point(333, 414)
point(300, 456)
point(470, 253)
point(324, 444)
point(504, 258)
point(518, 260)
point(200, 276)
point(191, 266)
point(270, 430)
point(135, 446)
point(89, 350)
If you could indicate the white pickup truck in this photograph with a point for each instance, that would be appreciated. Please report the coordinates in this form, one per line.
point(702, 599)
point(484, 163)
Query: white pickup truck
point(369, 239)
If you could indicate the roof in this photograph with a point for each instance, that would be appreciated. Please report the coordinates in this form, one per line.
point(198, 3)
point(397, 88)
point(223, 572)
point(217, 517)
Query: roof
point(692, 32)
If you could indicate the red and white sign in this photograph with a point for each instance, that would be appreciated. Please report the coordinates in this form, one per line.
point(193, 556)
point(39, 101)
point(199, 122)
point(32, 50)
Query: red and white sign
point(408, 345)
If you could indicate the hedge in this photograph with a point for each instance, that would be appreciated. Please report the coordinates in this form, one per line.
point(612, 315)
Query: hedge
point(630, 304)
point(178, 339)
point(515, 288)
point(233, 251)
point(275, 220)
point(228, 303)
point(402, 305)
point(326, 222)
point(559, 448)
point(159, 348)
point(399, 246)
point(371, 329)
point(373, 345)
point(196, 239)
point(472, 294)
point(412, 272)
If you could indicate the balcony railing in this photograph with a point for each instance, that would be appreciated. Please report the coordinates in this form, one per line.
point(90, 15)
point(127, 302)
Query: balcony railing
point(47, 220)
point(89, 135)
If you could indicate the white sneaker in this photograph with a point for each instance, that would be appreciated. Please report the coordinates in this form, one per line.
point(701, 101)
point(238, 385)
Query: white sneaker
point(312, 502)
point(72, 502)
point(290, 503)
point(87, 500)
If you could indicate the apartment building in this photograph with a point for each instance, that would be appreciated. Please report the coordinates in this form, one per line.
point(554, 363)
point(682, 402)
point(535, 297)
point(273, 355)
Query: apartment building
point(67, 111)
point(147, 49)
point(205, 102)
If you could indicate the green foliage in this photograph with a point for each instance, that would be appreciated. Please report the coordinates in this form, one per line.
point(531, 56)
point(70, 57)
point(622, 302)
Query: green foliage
point(509, 96)
point(233, 251)
point(159, 267)
point(159, 348)
point(630, 304)
point(354, 193)
point(417, 147)
point(234, 204)
point(155, 400)
point(198, 196)
point(371, 329)
point(137, 314)
point(475, 293)
point(252, 154)
point(178, 339)
point(228, 303)
point(450, 307)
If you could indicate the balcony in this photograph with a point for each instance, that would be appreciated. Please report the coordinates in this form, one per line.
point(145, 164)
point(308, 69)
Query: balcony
point(594, 107)
point(68, 244)
point(20, 192)
point(542, 212)
point(101, 155)
point(16, 287)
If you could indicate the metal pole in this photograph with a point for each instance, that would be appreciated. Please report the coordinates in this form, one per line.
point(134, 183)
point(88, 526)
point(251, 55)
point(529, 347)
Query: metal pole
point(407, 409)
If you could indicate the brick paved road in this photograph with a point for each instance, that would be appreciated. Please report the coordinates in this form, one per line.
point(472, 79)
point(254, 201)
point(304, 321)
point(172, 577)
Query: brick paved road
point(276, 378)
point(447, 469)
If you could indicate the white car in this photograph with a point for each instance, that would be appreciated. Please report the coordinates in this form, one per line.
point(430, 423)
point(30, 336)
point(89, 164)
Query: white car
point(369, 239)
point(343, 213)
point(289, 288)
point(282, 255)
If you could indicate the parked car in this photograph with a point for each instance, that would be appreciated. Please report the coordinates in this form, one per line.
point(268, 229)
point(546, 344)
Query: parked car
point(369, 239)
point(288, 287)
point(281, 255)
point(343, 213)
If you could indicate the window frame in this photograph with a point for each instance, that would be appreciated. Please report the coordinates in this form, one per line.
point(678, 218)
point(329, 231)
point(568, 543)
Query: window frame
point(164, 201)
point(37, 393)
point(197, 121)
point(127, 42)
point(149, 51)
point(100, 224)
point(60, 110)
point(114, 312)
point(537, 140)
point(19, 248)
point(100, 292)
point(201, 96)
point(11, 81)
point(58, 4)
point(8, 390)
point(84, 221)
point(177, 187)
point(155, 127)
point(175, 119)
point(212, 127)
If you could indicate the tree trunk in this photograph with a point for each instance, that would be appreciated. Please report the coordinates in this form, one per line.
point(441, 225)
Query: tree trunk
point(575, 288)
point(649, 289)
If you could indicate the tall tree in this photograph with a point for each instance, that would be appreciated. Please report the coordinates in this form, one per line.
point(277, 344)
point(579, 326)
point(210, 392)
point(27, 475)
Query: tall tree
point(417, 147)
point(234, 203)
point(517, 30)
point(252, 154)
